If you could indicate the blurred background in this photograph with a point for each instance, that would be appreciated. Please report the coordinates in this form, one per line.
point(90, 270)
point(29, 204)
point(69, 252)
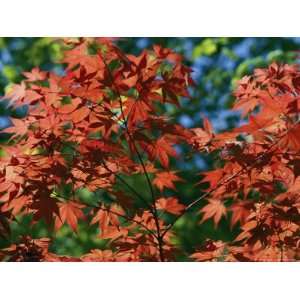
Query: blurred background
point(217, 64)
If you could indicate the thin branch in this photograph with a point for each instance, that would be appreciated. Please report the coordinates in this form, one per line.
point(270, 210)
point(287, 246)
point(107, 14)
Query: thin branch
point(127, 129)
point(115, 213)
point(119, 178)
point(154, 210)
point(126, 184)
point(126, 218)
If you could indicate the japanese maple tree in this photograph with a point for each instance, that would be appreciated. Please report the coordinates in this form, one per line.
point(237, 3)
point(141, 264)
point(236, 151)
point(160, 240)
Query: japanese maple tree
point(102, 122)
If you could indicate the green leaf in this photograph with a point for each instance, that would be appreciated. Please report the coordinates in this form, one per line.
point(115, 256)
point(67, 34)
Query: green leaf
point(10, 72)
point(273, 55)
point(207, 47)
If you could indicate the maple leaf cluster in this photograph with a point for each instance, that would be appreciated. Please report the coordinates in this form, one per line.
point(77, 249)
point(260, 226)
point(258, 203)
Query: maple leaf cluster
point(102, 121)
point(90, 128)
point(258, 185)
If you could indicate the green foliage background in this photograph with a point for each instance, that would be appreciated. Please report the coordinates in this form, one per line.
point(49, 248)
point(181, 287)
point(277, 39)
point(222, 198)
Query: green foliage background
point(217, 64)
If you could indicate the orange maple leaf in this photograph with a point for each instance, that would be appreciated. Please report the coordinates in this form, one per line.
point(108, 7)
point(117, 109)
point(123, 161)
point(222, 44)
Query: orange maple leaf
point(80, 114)
point(166, 180)
point(170, 205)
point(214, 209)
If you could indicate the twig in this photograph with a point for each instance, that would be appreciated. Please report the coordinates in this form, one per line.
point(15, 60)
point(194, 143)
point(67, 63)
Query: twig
point(115, 213)
point(154, 210)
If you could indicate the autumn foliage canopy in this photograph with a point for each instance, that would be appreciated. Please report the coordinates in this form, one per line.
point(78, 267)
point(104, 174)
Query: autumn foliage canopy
point(101, 122)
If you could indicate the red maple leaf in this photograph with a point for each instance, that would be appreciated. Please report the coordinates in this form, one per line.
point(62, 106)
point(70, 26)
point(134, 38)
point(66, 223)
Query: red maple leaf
point(136, 111)
point(69, 212)
point(161, 150)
